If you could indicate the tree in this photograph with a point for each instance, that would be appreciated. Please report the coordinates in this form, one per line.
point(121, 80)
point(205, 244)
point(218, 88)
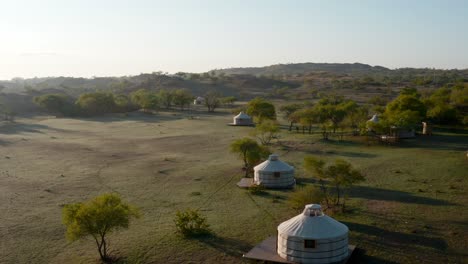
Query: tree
point(288, 111)
point(261, 109)
point(405, 111)
point(97, 218)
point(145, 99)
point(249, 151)
point(55, 103)
point(266, 131)
point(191, 223)
point(228, 101)
point(212, 100)
point(340, 175)
point(165, 97)
point(96, 103)
point(182, 98)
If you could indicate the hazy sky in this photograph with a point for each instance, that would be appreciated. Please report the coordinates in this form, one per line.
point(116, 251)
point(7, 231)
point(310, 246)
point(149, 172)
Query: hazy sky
point(103, 38)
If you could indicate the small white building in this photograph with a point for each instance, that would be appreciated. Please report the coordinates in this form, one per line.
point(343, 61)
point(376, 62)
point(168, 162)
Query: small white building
point(199, 100)
point(274, 173)
point(312, 237)
point(242, 119)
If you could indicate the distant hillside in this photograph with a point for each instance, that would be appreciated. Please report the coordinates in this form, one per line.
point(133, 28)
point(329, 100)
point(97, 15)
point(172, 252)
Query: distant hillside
point(303, 68)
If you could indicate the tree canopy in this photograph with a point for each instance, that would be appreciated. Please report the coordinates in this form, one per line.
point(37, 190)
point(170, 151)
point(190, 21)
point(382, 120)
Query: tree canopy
point(261, 109)
point(97, 218)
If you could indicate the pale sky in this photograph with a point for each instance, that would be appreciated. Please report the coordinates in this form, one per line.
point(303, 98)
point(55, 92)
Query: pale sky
point(116, 37)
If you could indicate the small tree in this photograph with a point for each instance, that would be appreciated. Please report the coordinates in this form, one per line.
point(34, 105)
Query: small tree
point(339, 176)
point(97, 218)
point(261, 109)
point(305, 195)
point(266, 131)
point(289, 111)
point(191, 223)
point(212, 100)
point(228, 101)
point(182, 98)
point(145, 99)
point(55, 103)
point(249, 151)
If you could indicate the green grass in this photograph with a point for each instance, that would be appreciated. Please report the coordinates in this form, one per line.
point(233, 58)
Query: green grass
point(411, 208)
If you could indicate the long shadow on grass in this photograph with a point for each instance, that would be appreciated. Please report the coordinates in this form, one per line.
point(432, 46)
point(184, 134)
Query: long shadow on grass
point(18, 128)
point(392, 195)
point(167, 115)
point(456, 142)
point(398, 239)
point(230, 246)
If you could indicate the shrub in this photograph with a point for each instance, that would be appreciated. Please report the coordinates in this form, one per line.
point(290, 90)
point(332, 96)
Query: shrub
point(306, 195)
point(257, 189)
point(191, 223)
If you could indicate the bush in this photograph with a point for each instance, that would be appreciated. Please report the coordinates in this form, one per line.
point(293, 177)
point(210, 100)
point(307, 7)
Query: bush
point(306, 195)
point(191, 223)
point(257, 189)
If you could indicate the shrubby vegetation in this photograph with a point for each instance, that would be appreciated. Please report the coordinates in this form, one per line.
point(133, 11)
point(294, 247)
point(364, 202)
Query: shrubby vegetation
point(190, 223)
point(334, 179)
point(250, 152)
point(97, 218)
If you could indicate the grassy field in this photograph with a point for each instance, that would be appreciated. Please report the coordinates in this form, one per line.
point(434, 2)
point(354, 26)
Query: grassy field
point(412, 208)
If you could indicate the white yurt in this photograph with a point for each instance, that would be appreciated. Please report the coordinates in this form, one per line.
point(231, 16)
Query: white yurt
point(199, 100)
point(313, 237)
point(374, 119)
point(274, 173)
point(242, 119)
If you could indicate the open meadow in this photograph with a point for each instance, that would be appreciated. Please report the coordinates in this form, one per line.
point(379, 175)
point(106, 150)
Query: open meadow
point(412, 207)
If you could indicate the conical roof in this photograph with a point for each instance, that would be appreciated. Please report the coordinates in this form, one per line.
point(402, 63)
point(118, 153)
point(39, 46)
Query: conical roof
point(374, 118)
point(312, 224)
point(273, 164)
point(242, 115)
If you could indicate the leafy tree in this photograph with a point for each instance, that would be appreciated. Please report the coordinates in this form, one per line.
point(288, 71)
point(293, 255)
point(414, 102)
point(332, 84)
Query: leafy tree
point(261, 109)
point(249, 151)
point(289, 111)
point(212, 100)
point(339, 176)
point(228, 101)
point(96, 103)
point(145, 99)
point(439, 107)
point(305, 195)
point(182, 98)
point(306, 117)
point(405, 111)
point(97, 218)
point(55, 103)
point(266, 131)
point(191, 223)
point(165, 97)
point(122, 102)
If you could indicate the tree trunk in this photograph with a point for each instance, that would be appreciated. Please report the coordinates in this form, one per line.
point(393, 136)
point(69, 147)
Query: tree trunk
point(290, 126)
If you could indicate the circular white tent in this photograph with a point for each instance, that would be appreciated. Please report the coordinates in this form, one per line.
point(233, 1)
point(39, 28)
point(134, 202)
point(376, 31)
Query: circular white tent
point(242, 119)
point(312, 237)
point(374, 119)
point(274, 173)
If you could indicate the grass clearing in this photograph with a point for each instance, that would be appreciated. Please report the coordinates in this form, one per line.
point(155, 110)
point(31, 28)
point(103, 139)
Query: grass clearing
point(411, 208)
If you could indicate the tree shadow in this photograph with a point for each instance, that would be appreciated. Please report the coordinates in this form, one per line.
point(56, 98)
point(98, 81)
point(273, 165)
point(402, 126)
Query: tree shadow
point(397, 245)
point(455, 142)
point(393, 239)
point(229, 246)
point(392, 195)
point(19, 128)
point(359, 256)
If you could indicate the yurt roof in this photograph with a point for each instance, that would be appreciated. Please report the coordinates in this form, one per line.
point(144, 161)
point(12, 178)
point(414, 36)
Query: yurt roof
point(374, 118)
point(242, 115)
point(312, 224)
point(273, 164)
